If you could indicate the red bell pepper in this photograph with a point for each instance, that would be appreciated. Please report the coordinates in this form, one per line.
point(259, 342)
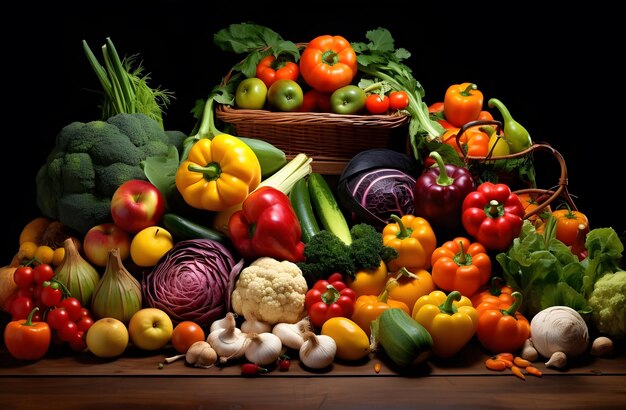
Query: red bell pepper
point(329, 298)
point(439, 193)
point(267, 225)
point(271, 69)
point(27, 339)
point(493, 215)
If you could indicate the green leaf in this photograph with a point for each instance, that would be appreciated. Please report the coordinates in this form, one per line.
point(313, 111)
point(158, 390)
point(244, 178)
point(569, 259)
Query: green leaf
point(381, 40)
point(161, 171)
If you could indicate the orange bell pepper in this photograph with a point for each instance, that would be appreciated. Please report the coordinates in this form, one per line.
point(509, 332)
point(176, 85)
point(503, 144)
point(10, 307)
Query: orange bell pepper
point(567, 224)
point(473, 141)
point(497, 293)
point(462, 103)
point(503, 330)
point(368, 307)
point(411, 286)
point(413, 238)
point(461, 265)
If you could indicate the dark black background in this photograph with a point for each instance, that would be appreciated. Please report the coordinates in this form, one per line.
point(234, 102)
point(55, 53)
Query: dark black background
point(560, 72)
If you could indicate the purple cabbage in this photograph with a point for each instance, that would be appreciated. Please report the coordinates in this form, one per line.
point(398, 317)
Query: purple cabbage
point(193, 281)
point(381, 193)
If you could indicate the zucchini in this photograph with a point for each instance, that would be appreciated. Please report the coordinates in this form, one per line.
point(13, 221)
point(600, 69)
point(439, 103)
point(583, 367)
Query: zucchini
point(270, 157)
point(301, 203)
point(403, 339)
point(327, 209)
point(183, 229)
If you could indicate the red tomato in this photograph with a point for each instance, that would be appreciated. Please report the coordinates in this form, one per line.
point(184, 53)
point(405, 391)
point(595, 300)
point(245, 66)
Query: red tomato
point(377, 104)
point(185, 334)
point(73, 307)
point(57, 317)
point(51, 295)
point(24, 277)
point(67, 331)
point(316, 101)
point(84, 323)
point(77, 342)
point(398, 100)
point(42, 273)
point(21, 307)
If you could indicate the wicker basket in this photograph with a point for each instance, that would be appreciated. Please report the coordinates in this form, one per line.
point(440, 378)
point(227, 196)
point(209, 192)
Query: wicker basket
point(330, 139)
point(544, 197)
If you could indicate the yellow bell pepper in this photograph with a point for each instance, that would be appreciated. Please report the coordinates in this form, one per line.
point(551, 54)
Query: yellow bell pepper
point(218, 173)
point(451, 320)
point(413, 238)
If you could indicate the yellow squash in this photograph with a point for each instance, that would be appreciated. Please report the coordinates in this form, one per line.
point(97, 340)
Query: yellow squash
point(352, 341)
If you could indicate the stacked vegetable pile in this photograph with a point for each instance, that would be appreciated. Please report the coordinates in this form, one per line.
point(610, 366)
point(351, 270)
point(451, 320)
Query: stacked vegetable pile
point(223, 248)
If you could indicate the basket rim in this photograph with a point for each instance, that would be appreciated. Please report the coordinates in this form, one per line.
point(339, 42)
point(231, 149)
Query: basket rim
point(230, 114)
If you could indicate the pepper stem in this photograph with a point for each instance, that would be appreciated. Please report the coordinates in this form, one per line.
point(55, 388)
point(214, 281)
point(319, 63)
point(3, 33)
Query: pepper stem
point(331, 295)
point(404, 231)
point(493, 208)
point(462, 256)
point(448, 306)
point(443, 179)
point(468, 90)
point(211, 171)
point(517, 302)
point(29, 319)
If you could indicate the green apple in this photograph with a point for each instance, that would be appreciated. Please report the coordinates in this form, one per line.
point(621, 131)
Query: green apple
point(285, 95)
point(251, 94)
point(349, 99)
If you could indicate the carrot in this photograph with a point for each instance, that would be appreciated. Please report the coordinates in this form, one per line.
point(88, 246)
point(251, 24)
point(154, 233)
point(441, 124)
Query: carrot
point(495, 364)
point(505, 356)
point(518, 372)
point(533, 370)
point(521, 362)
point(377, 367)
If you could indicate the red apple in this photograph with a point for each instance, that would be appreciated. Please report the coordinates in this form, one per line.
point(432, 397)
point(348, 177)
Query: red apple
point(136, 205)
point(100, 239)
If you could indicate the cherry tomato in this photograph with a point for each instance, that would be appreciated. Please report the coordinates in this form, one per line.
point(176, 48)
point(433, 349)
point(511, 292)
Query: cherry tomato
point(567, 222)
point(67, 331)
point(283, 364)
point(84, 312)
point(73, 307)
point(77, 342)
point(57, 317)
point(316, 101)
point(377, 104)
point(185, 334)
point(398, 100)
point(28, 292)
point(24, 277)
point(42, 273)
point(21, 307)
point(84, 323)
point(51, 294)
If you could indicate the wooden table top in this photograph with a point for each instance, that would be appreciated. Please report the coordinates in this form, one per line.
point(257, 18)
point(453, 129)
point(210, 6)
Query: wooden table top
point(65, 379)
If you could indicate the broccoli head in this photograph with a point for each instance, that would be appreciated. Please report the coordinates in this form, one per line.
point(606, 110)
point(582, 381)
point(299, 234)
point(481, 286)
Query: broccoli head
point(91, 160)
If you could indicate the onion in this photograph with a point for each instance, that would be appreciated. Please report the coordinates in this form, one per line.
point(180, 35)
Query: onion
point(193, 281)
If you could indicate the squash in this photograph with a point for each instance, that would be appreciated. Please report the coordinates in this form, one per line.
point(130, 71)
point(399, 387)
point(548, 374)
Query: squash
point(352, 341)
point(403, 339)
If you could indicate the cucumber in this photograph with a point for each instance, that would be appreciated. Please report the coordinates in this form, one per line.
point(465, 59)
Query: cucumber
point(327, 209)
point(183, 229)
point(270, 157)
point(301, 203)
point(403, 339)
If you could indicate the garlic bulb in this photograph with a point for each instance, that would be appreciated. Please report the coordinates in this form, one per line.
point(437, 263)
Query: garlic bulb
point(559, 329)
point(78, 275)
point(317, 351)
point(254, 325)
point(263, 349)
point(118, 293)
point(228, 321)
point(290, 334)
point(558, 360)
point(229, 343)
point(199, 354)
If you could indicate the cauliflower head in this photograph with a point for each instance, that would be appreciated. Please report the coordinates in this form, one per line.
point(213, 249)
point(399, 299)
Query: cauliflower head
point(270, 290)
point(608, 301)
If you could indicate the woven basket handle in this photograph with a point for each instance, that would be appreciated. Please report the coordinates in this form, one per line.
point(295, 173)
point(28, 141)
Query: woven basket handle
point(544, 196)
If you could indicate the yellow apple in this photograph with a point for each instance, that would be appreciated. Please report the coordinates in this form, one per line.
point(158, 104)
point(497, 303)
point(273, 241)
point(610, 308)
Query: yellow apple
point(150, 328)
point(149, 245)
point(107, 337)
